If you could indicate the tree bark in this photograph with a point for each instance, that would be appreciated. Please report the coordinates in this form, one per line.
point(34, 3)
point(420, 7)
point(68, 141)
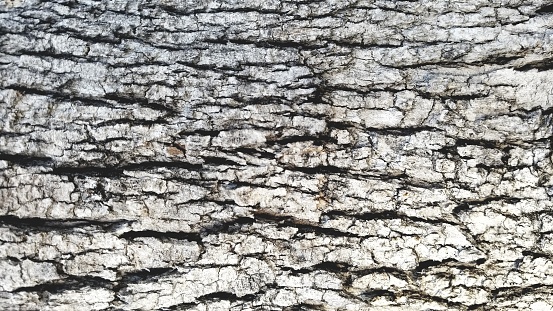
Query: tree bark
point(276, 155)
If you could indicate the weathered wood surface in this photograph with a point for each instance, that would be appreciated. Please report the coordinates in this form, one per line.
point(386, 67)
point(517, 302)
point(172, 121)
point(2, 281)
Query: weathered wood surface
point(276, 155)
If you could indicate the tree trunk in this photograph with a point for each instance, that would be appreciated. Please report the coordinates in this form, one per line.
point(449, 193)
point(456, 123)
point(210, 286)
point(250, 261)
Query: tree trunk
point(276, 155)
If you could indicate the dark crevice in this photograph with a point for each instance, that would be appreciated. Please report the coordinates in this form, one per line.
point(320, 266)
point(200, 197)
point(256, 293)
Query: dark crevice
point(224, 203)
point(218, 161)
point(26, 160)
point(231, 226)
point(59, 224)
point(332, 266)
point(50, 54)
point(211, 133)
point(461, 208)
point(542, 65)
point(514, 291)
point(226, 296)
point(181, 11)
point(490, 144)
point(283, 44)
point(70, 283)
point(295, 271)
point(141, 101)
point(341, 125)
point(141, 276)
point(289, 221)
point(386, 215)
point(96, 102)
point(452, 97)
point(480, 306)
point(179, 307)
point(546, 9)
point(426, 264)
point(162, 235)
point(401, 131)
point(11, 134)
point(423, 296)
point(112, 172)
point(316, 140)
point(500, 60)
point(480, 261)
point(132, 122)
point(377, 293)
point(323, 169)
point(305, 307)
point(364, 216)
point(468, 205)
point(535, 254)
point(255, 152)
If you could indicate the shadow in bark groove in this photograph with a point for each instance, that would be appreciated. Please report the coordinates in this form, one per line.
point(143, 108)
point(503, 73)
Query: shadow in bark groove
point(26, 160)
point(69, 283)
point(43, 224)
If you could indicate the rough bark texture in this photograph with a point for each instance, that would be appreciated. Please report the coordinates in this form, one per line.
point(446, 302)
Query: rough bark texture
point(276, 155)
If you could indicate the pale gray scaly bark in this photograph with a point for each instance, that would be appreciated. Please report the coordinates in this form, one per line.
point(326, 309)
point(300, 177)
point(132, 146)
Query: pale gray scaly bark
point(276, 155)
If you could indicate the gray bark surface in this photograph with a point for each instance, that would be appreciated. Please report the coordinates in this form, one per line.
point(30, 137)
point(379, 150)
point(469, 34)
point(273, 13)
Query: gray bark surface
point(276, 155)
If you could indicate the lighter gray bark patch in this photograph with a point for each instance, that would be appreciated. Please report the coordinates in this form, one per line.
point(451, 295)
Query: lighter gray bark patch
point(268, 155)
